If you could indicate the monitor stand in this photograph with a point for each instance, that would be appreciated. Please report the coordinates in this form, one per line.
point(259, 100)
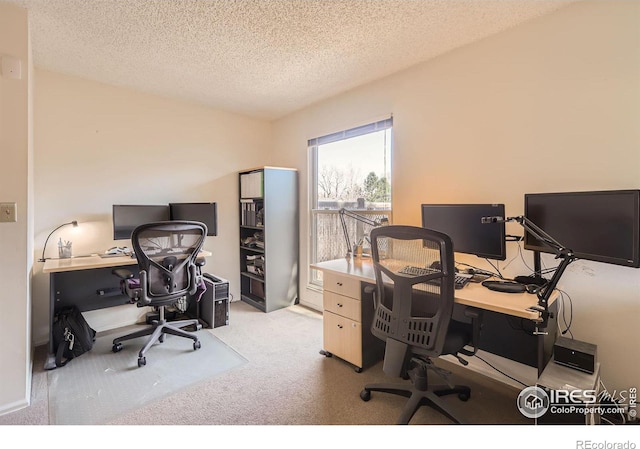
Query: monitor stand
point(536, 278)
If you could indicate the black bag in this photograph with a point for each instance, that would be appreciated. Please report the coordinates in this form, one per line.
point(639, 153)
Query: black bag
point(72, 335)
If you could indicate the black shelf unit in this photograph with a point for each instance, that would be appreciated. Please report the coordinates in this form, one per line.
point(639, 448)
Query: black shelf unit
point(269, 237)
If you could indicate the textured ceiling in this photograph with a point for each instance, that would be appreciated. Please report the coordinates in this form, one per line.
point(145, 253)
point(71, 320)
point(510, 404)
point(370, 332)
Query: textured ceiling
point(264, 58)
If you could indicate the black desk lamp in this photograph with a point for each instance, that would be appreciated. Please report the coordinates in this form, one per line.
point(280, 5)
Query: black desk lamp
point(75, 225)
point(567, 256)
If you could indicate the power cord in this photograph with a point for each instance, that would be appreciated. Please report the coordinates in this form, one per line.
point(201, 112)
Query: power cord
point(564, 317)
point(502, 372)
point(534, 272)
point(495, 267)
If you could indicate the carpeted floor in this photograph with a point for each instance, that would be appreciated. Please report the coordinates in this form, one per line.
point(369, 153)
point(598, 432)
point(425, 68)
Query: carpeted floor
point(285, 381)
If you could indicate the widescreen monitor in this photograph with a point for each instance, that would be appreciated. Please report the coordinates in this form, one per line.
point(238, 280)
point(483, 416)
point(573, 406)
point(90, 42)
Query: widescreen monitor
point(127, 217)
point(463, 224)
point(603, 226)
point(206, 213)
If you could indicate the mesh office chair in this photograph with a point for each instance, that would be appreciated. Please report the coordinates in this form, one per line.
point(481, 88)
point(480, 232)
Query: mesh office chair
point(169, 270)
point(414, 304)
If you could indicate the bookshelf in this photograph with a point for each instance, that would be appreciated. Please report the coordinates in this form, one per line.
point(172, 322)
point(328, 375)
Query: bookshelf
point(269, 237)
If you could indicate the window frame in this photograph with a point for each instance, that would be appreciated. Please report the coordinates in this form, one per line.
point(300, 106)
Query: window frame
point(314, 276)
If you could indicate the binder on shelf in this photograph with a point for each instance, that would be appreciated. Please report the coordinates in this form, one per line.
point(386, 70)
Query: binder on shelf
point(251, 213)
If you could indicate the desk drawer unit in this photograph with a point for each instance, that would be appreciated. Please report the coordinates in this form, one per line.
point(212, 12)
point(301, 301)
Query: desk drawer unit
point(343, 337)
point(343, 305)
point(342, 285)
point(347, 321)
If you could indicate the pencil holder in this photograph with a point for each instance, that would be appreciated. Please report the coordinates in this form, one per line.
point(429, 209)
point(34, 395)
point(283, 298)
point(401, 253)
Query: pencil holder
point(64, 251)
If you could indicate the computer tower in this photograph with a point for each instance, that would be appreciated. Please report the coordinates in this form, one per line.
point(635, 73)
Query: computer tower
point(213, 308)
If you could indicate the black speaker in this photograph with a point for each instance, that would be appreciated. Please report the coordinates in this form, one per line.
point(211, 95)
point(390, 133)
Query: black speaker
point(575, 354)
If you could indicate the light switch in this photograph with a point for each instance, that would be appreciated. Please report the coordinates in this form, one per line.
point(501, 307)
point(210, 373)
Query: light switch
point(8, 212)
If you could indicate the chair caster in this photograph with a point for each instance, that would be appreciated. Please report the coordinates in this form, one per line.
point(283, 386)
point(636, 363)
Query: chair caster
point(464, 397)
point(357, 369)
point(198, 326)
point(365, 395)
point(142, 361)
point(326, 353)
point(197, 345)
point(116, 347)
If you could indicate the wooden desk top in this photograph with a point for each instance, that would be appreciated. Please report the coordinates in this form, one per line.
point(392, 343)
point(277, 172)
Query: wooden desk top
point(93, 261)
point(473, 294)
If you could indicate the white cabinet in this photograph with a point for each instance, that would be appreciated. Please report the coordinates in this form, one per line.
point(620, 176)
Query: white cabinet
point(348, 312)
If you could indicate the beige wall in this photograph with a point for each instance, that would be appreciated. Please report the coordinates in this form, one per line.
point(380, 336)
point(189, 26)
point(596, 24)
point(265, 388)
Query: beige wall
point(98, 145)
point(551, 105)
point(15, 238)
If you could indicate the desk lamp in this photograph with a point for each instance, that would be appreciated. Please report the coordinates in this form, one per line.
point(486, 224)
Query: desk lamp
point(361, 218)
point(567, 256)
point(75, 225)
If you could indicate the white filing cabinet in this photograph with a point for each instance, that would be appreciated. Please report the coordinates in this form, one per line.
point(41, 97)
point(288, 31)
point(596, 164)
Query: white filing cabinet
point(347, 316)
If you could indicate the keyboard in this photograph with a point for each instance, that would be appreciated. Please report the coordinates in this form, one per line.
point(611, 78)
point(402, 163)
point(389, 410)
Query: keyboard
point(459, 281)
point(417, 271)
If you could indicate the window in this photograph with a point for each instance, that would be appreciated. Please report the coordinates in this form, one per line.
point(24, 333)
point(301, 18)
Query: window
point(350, 169)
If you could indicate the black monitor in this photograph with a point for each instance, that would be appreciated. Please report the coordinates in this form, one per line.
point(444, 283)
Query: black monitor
point(602, 226)
point(463, 224)
point(203, 212)
point(127, 217)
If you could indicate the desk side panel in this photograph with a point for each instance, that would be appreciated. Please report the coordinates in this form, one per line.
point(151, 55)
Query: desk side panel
point(514, 338)
point(83, 288)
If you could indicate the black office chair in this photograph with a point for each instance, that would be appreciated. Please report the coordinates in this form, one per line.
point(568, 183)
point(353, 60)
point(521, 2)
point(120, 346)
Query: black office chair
point(167, 254)
point(414, 303)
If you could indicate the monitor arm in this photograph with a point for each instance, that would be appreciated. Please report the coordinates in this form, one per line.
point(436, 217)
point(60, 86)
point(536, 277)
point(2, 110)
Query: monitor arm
point(567, 256)
point(361, 218)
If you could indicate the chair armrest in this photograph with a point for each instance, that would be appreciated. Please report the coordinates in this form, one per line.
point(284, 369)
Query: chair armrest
point(371, 290)
point(122, 273)
point(476, 323)
point(143, 299)
point(196, 277)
